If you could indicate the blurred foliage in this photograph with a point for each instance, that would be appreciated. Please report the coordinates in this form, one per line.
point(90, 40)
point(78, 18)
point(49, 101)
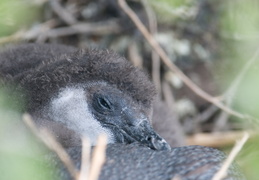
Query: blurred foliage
point(15, 15)
point(21, 155)
point(247, 100)
point(170, 3)
point(240, 26)
point(240, 32)
point(249, 159)
point(241, 17)
point(169, 10)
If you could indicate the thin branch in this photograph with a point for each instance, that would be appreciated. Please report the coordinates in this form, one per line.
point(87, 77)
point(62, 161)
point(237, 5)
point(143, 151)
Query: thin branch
point(12, 38)
point(100, 28)
point(44, 31)
point(206, 114)
point(98, 158)
point(152, 21)
point(48, 139)
point(218, 140)
point(154, 44)
point(223, 170)
point(134, 56)
point(62, 12)
point(221, 122)
point(33, 33)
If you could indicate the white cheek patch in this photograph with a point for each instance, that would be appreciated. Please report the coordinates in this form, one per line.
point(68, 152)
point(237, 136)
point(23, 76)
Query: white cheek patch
point(70, 107)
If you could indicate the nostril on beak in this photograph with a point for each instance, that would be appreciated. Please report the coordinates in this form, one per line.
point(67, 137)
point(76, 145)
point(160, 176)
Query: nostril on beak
point(158, 143)
point(149, 138)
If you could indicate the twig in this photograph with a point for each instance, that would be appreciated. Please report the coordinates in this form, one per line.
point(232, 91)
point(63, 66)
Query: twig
point(134, 55)
point(46, 26)
point(152, 21)
point(100, 28)
point(14, 37)
point(49, 140)
point(205, 115)
point(154, 44)
point(223, 170)
point(44, 31)
point(221, 122)
point(32, 33)
point(217, 140)
point(85, 161)
point(98, 158)
point(62, 12)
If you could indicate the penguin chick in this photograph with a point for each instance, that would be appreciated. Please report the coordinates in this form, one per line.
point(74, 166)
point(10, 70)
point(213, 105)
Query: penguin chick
point(87, 92)
point(137, 162)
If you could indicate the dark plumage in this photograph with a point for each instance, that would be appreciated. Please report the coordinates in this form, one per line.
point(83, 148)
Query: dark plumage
point(127, 162)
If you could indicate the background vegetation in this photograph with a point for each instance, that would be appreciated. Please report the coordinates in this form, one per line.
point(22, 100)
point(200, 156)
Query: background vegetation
point(215, 43)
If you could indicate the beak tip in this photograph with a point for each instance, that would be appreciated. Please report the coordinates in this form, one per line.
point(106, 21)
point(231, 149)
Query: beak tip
point(160, 144)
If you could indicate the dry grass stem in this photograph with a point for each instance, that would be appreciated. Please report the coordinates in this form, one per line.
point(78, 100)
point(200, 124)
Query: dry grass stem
point(98, 158)
point(49, 140)
point(218, 139)
point(85, 162)
point(14, 37)
point(223, 170)
point(154, 44)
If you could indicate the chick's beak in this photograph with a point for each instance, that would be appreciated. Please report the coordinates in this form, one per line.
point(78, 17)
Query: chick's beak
point(145, 134)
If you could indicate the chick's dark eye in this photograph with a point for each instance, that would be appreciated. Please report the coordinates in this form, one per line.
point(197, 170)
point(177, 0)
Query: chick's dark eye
point(104, 103)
